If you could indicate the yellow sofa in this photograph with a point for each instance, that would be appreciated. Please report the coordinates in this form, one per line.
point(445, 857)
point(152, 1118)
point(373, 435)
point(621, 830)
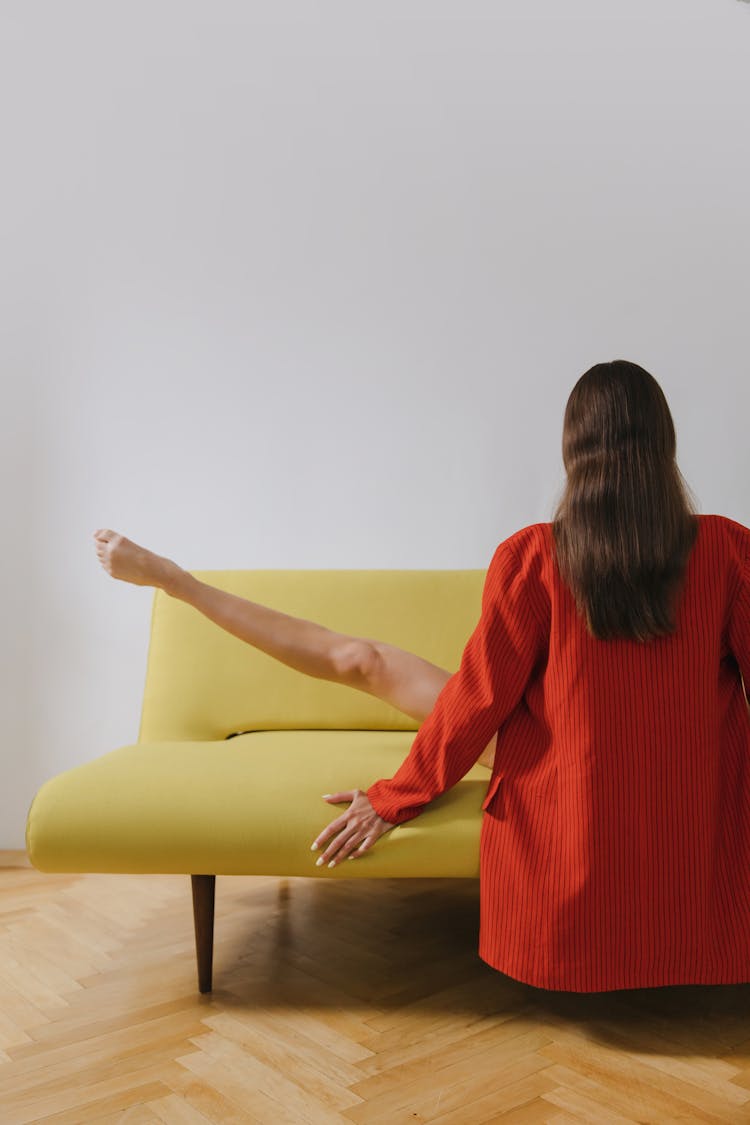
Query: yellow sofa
point(194, 796)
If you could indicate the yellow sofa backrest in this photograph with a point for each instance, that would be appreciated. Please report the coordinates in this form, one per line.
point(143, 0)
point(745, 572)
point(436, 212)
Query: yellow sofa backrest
point(204, 683)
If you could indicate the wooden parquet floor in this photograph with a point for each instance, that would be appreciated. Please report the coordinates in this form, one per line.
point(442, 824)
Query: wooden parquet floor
point(335, 1001)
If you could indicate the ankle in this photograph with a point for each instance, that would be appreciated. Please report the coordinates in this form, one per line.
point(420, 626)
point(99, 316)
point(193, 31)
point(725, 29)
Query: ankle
point(173, 580)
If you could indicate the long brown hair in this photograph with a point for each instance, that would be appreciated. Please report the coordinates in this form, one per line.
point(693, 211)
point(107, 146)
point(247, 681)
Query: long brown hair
point(626, 522)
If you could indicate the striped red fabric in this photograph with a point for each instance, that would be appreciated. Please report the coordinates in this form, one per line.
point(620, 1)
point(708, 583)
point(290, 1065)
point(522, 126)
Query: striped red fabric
point(615, 840)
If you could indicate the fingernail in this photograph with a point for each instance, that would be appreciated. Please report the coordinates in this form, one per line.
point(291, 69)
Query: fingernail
point(313, 847)
point(327, 794)
point(332, 863)
point(318, 861)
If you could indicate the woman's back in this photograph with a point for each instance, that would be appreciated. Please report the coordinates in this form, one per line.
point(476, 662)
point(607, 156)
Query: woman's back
point(618, 833)
point(670, 690)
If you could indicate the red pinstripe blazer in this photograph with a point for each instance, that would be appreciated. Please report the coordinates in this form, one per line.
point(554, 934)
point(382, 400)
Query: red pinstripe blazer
point(615, 839)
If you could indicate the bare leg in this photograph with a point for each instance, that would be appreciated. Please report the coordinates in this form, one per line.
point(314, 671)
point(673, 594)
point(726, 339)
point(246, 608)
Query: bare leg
point(401, 678)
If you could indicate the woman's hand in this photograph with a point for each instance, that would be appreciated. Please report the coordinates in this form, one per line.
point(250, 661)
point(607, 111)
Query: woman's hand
point(358, 828)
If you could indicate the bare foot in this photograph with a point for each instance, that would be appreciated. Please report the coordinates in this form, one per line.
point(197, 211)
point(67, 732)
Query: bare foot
point(124, 559)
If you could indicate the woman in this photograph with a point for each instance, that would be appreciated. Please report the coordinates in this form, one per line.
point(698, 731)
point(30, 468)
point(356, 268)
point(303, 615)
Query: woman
point(608, 662)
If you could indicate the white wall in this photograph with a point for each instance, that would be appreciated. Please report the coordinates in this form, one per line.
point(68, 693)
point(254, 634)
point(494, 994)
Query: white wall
point(308, 284)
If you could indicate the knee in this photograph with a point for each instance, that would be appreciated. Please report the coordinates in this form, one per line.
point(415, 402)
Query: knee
point(355, 662)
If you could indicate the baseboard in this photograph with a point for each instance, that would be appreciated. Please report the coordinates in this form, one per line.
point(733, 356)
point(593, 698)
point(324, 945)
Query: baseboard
point(14, 858)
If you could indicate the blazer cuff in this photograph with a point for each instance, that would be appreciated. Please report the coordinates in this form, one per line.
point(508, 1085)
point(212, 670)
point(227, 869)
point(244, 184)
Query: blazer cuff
point(381, 800)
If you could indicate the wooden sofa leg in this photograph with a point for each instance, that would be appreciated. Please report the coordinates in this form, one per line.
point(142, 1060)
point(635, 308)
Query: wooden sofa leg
point(204, 893)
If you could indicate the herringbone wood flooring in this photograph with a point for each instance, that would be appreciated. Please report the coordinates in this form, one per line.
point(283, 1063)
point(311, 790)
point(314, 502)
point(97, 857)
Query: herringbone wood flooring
point(334, 1000)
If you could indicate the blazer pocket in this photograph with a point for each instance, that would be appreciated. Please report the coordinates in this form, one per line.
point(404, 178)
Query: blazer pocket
point(491, 790)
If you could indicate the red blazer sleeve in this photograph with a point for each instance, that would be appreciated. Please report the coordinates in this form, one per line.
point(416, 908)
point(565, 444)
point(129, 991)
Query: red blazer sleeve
point(495, 667)
point(739, 620)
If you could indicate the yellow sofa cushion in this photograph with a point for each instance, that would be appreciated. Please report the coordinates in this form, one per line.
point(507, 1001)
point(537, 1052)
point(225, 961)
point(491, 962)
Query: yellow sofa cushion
point(245, 806)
